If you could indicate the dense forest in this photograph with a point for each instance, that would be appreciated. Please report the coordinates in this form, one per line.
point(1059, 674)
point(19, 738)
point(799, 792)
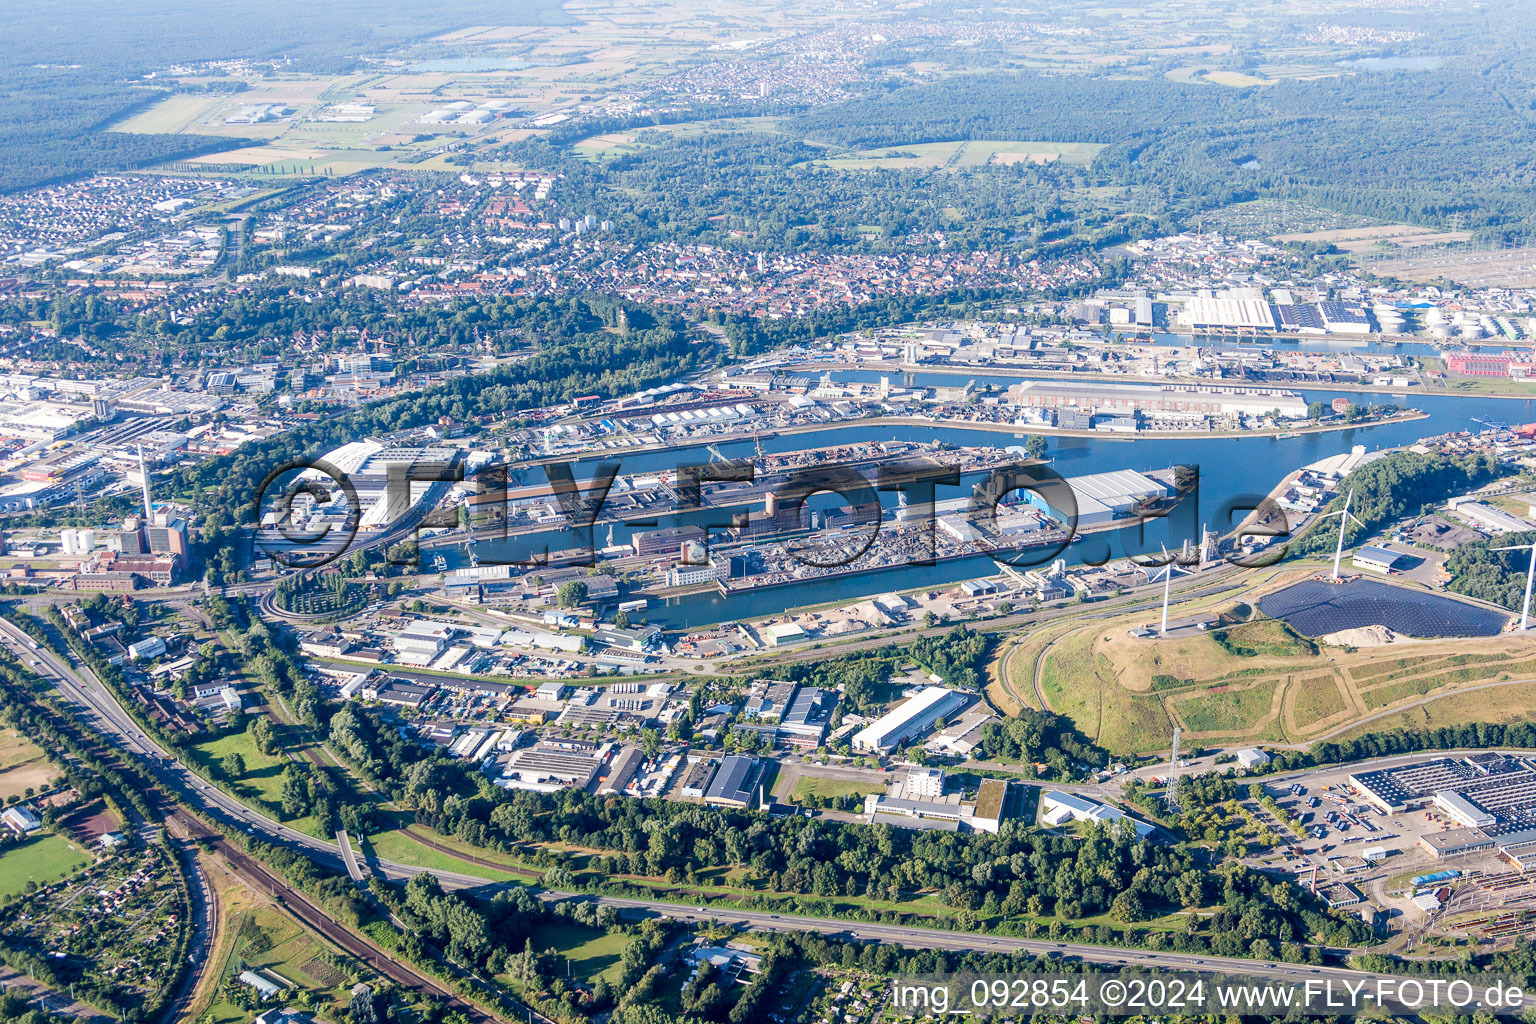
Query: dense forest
point(775, 192)
point(53, 128)
point(1477, 570)
point(1406, 145)
point(1391, 487)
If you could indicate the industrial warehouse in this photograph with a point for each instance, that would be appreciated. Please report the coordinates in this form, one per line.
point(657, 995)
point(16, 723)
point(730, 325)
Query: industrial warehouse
point(910, 719)
point(1489, 797)
point(1158, 401)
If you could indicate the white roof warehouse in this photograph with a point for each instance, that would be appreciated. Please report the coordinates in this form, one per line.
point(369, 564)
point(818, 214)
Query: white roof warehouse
point(912, 717)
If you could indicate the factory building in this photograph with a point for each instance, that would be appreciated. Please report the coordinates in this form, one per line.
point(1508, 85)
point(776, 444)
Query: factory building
point(1341, 318)
point(1230, 309)
point(1252, 758)
point(1489, 364)
point(1491, 797)
point(1487, 517)
point(550, 767)
point(1192, 401)
point(670, 540)
point(1103, 497)
point(370, 466)
point(1457, 842)
point(911, 718)
point(1376, 559)
point(915, 803)
point(1463, 811)
point(805, 722)
point(736, 782)
point(1057, 808)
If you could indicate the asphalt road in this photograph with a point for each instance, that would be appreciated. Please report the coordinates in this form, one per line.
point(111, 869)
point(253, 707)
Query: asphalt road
point(221, 806)
point(99, 709)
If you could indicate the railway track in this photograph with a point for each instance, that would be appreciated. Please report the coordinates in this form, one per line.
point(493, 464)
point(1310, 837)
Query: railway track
point(297, 904)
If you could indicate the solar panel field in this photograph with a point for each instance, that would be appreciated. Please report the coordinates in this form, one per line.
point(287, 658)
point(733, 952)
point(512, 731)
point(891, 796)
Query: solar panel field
point(1258, 681)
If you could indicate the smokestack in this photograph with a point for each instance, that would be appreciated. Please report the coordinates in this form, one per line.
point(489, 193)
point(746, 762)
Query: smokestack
point(149, 514)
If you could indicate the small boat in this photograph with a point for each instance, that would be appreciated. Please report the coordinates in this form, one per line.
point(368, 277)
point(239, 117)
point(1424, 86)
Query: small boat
point(1287, 435)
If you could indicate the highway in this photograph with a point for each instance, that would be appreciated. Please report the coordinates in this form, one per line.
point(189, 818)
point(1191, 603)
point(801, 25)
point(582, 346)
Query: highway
point(111, 718)
point(99, 709)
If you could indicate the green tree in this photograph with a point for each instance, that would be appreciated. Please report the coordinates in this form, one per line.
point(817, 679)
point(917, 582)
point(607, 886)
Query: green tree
point(264, 736)
point(1128, 907)
point(294, 792)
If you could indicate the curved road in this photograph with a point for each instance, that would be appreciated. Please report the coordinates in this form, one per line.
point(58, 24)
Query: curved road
point(98, 702)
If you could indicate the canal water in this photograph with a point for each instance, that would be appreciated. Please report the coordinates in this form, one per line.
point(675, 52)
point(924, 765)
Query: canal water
point(1230, 468)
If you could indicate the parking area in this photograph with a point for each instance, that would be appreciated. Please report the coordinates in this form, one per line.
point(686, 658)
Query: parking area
point(1386, 857)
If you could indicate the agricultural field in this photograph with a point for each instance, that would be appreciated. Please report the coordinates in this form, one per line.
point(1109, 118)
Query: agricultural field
point(1252, 680)
point(41, 860)
point(22, 766)
point(961, 154)
point(266, 939)
point(309, 138)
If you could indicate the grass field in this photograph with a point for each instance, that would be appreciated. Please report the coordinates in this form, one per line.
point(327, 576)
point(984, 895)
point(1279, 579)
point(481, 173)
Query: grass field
point(808, 786)
point(41, 860)
point(1078, 685)
point(590, 952)
point(262, 781)
point(278, 160)
point(1246, 710)
point(263, 773)
point(1230, 79)
point(972, 153)
point(1236, 79)
point(22, 766)
point(1255, 681)
point(402, 849)
point(174, 114)
point(1316, 699)
point(1504, 704)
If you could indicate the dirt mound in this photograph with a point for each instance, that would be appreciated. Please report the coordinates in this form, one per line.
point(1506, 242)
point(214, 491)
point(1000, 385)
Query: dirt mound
point(1364, 636)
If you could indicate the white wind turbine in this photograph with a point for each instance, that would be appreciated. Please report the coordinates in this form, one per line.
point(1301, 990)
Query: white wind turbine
point(1530, 576)
point(1168, 569)
point(1344, 518)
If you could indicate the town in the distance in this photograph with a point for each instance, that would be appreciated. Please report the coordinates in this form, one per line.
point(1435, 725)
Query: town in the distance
point(698, 513)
